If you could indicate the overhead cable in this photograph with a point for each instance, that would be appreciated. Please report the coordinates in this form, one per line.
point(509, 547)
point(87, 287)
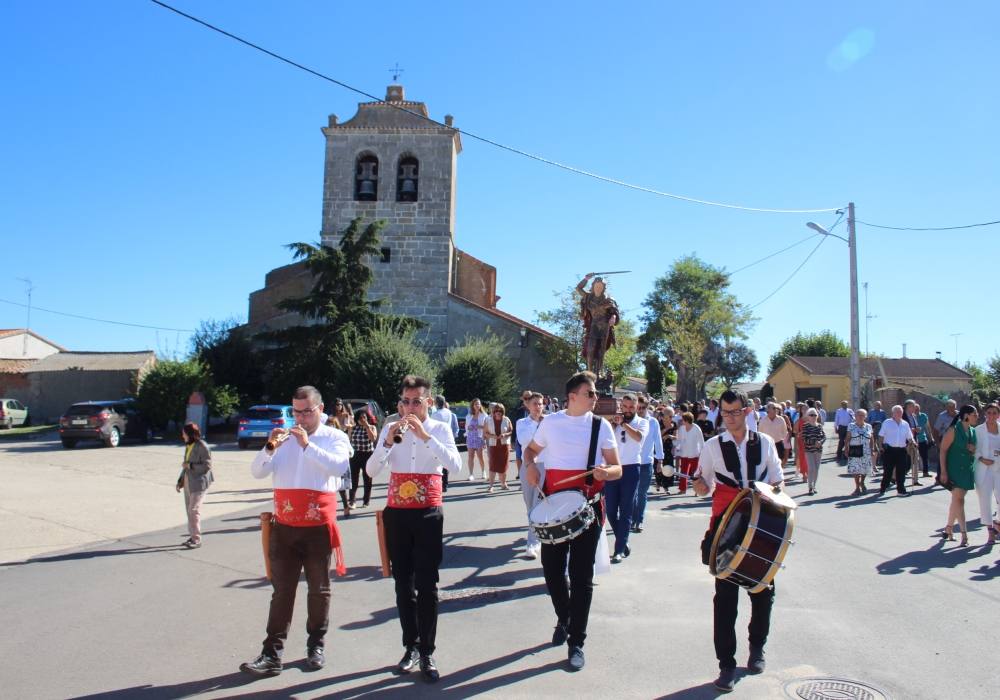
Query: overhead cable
point(929, 228)
point(483, 139)
point(98, 320)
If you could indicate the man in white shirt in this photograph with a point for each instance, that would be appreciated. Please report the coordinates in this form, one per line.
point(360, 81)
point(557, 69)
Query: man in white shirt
point(773, 425)
point(841, 419)
point(822, 413)
point(619, 495)
point(730, 462)
point(650, 458)
point(417, 449)
point(892, 439)
point(566, 437)
point(525, 432)
point(442, 413)
point(305, 464)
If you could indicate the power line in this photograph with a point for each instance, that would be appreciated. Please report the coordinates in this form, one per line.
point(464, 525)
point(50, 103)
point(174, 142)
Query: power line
point(794, 272)
point(929, 228)
point(793, 245)
point(483, 139)
point(98, 320)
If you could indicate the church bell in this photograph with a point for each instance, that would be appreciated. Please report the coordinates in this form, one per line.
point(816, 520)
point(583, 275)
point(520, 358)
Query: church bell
point(408, 186)
point(366, 188)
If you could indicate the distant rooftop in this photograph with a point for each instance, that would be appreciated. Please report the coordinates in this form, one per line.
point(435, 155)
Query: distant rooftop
point(95, 361)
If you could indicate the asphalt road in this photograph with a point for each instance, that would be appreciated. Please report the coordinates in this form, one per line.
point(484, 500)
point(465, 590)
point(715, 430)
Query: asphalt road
point(99, 599)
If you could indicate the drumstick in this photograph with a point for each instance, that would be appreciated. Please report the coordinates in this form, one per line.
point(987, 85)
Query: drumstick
point(577, 476)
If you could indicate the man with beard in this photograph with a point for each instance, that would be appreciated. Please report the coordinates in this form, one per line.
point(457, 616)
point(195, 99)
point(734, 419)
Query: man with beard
point(619, 495)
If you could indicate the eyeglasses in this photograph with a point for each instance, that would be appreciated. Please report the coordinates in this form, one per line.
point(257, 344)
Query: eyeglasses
point(304, 411)
point(591, 394)
point(412, 402)
point(735, 413)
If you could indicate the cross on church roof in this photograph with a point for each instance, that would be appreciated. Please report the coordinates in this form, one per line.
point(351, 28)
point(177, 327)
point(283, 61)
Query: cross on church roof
point(396, 70)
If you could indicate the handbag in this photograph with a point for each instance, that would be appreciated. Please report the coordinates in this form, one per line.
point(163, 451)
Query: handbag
point(855, 450)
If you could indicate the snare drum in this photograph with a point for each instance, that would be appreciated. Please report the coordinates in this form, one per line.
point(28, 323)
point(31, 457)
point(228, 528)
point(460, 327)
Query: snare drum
point(752, 538)
point(561, 516)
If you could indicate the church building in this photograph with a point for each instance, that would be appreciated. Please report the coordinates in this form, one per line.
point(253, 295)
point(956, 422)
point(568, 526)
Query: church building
point(389, 162)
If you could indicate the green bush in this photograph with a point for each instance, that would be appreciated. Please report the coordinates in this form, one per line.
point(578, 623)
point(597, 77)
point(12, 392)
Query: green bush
point(371, 364)
point(165, 389)
point(479, 368)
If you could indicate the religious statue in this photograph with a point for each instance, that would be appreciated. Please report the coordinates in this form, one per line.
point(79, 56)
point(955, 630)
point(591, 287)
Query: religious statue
point(600, 313)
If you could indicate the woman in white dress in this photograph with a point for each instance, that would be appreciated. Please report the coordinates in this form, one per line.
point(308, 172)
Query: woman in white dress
point(860, 448)
point(988, 470)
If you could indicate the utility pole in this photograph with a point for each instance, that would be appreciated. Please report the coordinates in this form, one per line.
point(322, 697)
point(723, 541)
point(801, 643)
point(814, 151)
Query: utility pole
point(27, 325)
point(955, 336)
point(852, 243)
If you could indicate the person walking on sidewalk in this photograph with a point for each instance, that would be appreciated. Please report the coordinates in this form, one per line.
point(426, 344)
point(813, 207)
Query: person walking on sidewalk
point(841, 419)
point(650, 458)
point(958, 449)
point(619, 495)
point(813, 437)
point(498, 433)
point(525, 430)
point(196, 477)
point(894, 436)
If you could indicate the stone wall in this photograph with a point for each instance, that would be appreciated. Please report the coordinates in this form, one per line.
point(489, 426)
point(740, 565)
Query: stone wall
point(475, 280)
point(54, 392)
point(285, 282)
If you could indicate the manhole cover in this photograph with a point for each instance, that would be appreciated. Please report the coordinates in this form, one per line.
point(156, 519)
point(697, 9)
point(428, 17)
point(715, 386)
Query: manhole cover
point(833, 689)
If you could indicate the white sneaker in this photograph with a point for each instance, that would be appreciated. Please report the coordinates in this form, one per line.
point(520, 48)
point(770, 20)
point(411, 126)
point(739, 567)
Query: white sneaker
point(472, 477)
point(533, 551)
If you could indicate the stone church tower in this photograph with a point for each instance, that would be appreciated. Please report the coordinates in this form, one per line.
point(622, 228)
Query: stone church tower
point(387, 163)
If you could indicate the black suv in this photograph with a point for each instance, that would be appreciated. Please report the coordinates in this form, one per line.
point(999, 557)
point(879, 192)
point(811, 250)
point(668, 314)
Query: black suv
point(107, 421)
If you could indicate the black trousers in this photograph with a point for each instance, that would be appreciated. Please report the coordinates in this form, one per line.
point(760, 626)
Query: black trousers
point(571, 597)
point(358, 462)
point(414, 539)
point(725, 608)
point(924, 448)
point(841, 441)
point(293, 549)
point(896, 460)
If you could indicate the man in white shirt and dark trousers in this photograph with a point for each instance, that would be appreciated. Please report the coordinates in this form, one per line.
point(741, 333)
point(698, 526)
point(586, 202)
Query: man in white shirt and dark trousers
point(729, 463)
point(843, 418)
point(650, 457)
point(306, 464)
point(525, 430)
point(413, 518)
point(574, 440)
point(444, 414)
point(892, 438)
point(630, 431)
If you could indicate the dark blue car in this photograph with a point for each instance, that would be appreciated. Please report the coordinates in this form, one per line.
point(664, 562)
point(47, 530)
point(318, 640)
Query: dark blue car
point(257, 423)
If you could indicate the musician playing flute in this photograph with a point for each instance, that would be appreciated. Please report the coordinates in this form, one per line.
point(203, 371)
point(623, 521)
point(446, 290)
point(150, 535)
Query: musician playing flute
point(306, 464)
point(568, 438)
point(730, 462)
point(414, 518)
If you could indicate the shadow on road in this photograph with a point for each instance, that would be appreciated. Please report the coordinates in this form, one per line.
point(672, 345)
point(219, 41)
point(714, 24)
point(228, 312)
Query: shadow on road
point(922, 561)
point(97, 554)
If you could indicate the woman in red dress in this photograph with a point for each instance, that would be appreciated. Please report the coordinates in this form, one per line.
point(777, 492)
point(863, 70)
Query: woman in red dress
point(498, 430)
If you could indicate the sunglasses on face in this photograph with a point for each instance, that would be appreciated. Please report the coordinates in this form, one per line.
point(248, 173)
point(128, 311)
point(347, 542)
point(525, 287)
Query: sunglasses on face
point(411, 402)
point(304, 411)
point(591, 394)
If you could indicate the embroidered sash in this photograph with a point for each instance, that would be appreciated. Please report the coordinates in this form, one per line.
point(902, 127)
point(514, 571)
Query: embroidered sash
point(308, 508)
point(414, 490)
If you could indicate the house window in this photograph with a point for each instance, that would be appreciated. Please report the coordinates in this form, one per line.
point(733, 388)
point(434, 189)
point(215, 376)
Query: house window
point(386, 254)
point(366, 179)
point(407, 179)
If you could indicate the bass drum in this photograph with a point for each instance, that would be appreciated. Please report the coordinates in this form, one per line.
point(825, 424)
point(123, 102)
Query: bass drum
point(752, 538)
point(561, 516)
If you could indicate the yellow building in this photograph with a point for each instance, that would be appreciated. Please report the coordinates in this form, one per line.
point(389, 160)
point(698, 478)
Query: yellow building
point(828, 378)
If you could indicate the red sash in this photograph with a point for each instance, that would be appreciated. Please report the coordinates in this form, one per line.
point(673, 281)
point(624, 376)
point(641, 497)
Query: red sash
point(577, 482)
point(308, 508)
point(722, 497)
point(414, 490)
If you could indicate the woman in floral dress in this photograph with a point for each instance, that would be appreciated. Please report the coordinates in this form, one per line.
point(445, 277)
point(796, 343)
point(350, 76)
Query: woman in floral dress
point(860, 436)
point(474, 423)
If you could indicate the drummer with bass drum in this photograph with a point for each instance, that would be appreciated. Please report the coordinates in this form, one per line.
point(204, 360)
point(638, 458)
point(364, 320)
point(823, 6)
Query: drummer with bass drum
point(730, 462)
point(571, 439)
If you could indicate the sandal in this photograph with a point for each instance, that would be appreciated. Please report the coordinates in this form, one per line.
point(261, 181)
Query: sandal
point(947, 534)
point(965, 540)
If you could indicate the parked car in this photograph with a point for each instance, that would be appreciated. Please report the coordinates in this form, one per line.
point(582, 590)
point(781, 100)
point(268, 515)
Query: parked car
point(461, 412)
point(107, 421)
point(374, 409)
point(13, 412)
point(257, 422)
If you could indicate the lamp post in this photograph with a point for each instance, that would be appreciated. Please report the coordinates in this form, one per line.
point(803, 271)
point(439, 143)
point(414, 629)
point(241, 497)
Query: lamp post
point(852, 244)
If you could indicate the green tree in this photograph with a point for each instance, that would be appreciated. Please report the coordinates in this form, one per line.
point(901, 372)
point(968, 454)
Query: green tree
point(822, 344)
point(336, 308)
point(623, 358)
point(689, 315)
point(985, 380)
point(478, 368)
point(228, 353)
point(565, 323)
point(736, 361)
point(370, 364)
point(654, 374)
point(166, 388)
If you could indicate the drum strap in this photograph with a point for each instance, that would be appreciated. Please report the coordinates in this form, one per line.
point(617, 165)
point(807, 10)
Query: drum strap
point(731, 458)
point(595, 430)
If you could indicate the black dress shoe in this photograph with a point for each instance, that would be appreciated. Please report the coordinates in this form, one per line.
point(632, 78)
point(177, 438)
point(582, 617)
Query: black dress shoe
point(726, 680)
point(756, 663)
point(559, 635)
point(626, 551)
point(429, 669)
point(638, 528)
point(262, 666)
point(576, 660)
point(409, 660)
point(315, 658)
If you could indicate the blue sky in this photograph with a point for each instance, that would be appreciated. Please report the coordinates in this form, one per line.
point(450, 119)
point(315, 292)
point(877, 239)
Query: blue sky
point(153, 169)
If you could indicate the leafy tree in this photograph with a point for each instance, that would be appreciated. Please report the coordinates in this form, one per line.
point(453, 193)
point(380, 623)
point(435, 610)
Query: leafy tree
point(689, 316)
point(985, 380)
point(229, 355)
point(370, 364)
point(565, 323)
point(336, 308)
point(736, 361)
point(623, 358)
point(166, 388)
point(654, 375)
point(478, 368)
point(822, 344)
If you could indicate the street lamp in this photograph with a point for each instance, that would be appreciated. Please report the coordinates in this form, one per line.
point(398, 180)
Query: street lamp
point(852, 244)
